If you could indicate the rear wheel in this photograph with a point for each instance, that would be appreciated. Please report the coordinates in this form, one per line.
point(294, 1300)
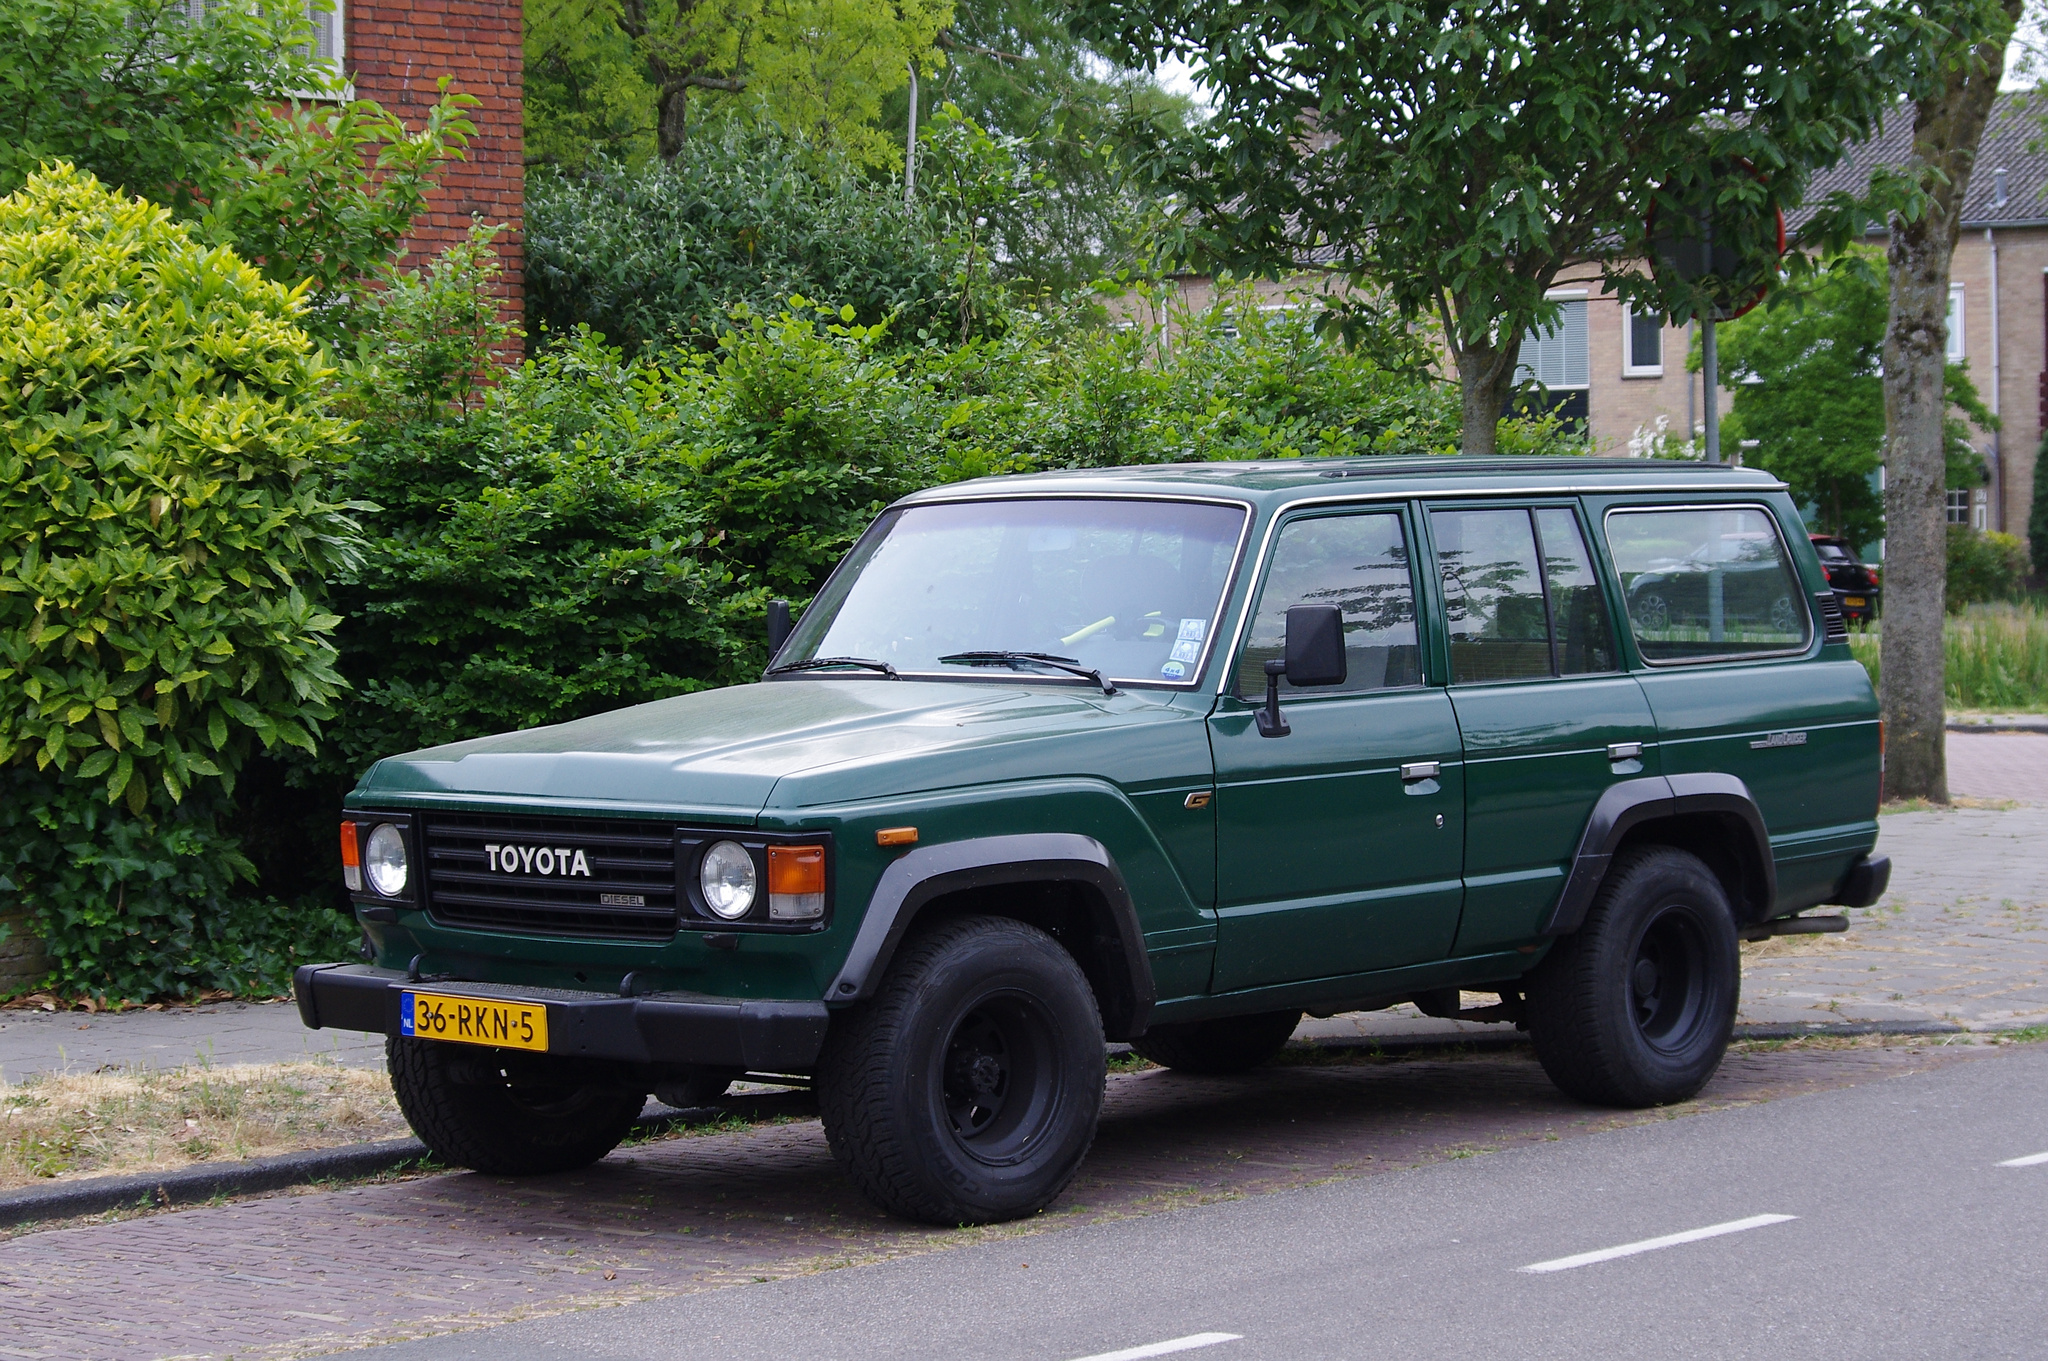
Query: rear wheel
point(966, 1090)
point(1636, 1007)
point(467, 1109)
point(1228, 1044)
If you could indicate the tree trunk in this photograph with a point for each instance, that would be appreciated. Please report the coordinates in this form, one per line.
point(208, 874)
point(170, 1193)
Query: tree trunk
point(672, 128)
point(1486, 378)
point(1947, 125)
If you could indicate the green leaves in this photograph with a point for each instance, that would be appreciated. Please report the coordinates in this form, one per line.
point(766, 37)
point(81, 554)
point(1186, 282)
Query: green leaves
point(162, 432)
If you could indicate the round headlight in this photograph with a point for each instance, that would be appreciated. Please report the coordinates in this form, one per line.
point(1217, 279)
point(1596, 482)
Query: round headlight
point(384, 860)
point(728, 880)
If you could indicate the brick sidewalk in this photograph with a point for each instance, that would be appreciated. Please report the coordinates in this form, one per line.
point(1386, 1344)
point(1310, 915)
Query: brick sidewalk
point(295, 1275)
point(1998, 765)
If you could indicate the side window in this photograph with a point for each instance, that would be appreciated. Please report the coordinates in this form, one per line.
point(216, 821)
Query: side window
point(1493, 595)
point(1508, 620)
point(1360, 564)
point(1585, 637)
point(1703, 583)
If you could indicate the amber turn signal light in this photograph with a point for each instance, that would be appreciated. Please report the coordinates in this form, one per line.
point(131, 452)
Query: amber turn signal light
point(351, 859)
point(896, 836)
point(796, 883)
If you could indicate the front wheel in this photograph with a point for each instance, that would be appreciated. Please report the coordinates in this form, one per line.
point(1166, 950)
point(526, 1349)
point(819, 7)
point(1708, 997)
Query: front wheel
point(480, 1109)
point(1636, 1007)
point(967, 1089)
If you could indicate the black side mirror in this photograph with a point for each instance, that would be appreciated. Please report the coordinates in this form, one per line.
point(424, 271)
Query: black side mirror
point(1314, 656)
point(779, 626)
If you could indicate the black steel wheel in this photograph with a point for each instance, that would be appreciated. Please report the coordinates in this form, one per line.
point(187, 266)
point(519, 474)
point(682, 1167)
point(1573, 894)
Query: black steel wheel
point(966, 1090)
point(506, 1114)
point(1227, 1044)
point(1636, 1007)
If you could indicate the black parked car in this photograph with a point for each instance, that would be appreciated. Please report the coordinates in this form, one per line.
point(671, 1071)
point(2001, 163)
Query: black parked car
point(1855, 581)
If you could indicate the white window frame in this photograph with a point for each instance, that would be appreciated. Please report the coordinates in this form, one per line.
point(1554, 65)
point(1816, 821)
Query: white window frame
point(1958, 349)
point(1629, 367)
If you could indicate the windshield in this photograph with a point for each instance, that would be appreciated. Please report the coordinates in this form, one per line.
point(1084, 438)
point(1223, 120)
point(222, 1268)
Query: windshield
point(1129, 588)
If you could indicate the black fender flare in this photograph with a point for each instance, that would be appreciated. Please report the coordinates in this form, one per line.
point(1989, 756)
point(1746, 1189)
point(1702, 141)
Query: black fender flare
point(930, 872)
point(1631, 803)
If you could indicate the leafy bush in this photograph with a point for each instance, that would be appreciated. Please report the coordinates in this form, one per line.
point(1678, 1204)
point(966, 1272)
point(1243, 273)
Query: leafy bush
point(138, 92)
point(327, 195)
point(1983, 566)
point(660, 253)
point(163, 537)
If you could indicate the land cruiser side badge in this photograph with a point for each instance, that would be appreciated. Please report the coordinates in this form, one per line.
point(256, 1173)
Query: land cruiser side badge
point(1779, 739)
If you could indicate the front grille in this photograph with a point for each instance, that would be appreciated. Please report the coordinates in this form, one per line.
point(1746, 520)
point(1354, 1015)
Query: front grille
point(1834, 625)
point(531, 889)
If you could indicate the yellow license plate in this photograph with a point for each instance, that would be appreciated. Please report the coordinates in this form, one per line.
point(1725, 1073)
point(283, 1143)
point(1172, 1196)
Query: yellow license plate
point(474, 1020)
point(1856, 600)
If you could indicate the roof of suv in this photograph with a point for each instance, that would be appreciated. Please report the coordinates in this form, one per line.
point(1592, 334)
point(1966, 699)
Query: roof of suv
point(1281, 480)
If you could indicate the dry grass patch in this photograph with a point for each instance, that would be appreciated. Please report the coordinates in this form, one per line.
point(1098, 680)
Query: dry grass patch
point(150, 1120)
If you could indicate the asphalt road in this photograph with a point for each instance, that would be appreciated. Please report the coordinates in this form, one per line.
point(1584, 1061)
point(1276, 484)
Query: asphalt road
point(1873, 1221)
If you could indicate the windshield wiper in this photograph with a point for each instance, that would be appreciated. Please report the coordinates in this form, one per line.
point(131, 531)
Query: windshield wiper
point(816, 662)
point(1011, 659)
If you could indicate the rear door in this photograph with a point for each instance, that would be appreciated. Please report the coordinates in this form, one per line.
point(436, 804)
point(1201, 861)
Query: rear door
point(1329, 860)
point(1741, 682)
point(1548, 718)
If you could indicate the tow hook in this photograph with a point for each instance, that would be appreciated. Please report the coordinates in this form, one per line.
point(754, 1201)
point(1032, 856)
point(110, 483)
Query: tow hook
point(1795, 926)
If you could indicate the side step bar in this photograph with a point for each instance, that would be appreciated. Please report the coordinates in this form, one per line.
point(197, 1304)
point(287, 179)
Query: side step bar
point(1795, 926)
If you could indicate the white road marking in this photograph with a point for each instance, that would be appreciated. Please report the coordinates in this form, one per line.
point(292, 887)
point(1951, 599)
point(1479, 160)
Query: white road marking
point(1178, 1344)
point(1669, 1240)
point(2029, 1161)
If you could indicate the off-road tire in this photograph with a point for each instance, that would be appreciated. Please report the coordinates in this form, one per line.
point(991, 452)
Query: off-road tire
point(501, 1129)
point(1227, 1044)
point(980, 1010)
point(1636, 1007)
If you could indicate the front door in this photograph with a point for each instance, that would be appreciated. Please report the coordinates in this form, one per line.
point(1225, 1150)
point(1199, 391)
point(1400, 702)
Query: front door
point(1338, 845)
point(1548, 717)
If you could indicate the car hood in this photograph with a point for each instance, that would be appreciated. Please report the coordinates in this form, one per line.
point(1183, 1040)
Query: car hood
point(729, 754)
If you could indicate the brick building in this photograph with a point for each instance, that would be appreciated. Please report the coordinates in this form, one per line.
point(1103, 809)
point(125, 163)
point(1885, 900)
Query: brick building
point(397, 54)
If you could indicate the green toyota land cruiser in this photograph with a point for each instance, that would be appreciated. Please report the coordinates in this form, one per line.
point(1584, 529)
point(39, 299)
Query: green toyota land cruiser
point(1166, 755)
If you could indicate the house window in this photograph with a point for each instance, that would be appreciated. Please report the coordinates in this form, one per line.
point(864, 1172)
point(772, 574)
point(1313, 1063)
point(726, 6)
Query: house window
point(1955, 323)
point(1642, 339)
point(1959, 505)
point(1556, 358)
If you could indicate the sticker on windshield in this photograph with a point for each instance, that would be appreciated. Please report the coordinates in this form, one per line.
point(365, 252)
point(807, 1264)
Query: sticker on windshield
point(1052, 538)
point(1173, 671)
point(1192, 630)
point(1186, 650)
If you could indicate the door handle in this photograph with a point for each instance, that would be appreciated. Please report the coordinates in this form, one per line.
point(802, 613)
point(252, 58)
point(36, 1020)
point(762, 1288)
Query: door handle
point(1625, 751)
point(1421, 770)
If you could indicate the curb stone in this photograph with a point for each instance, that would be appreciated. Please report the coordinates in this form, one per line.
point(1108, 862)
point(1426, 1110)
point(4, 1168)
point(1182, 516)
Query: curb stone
point(2036, 723)
point(187, 1185)
point(205, 1181)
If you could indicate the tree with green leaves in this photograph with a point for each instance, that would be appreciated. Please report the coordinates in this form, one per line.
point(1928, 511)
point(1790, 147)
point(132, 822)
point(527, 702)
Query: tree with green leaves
point(1809, 391)
point(630, 77)
point(139, 92)
point(1959, 62)
point(1461, 157)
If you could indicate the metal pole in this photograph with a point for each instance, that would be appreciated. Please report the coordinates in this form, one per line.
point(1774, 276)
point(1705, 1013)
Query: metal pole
point(1710, 387)
point(1710, 361)
point(910, 143)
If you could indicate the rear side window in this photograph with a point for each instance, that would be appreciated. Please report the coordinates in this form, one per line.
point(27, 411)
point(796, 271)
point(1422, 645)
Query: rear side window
point(1707, 582)
point(1360, 564)
point(1508, 619)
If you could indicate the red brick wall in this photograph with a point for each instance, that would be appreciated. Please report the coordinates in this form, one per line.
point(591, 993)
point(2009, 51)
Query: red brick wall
point(396, 54)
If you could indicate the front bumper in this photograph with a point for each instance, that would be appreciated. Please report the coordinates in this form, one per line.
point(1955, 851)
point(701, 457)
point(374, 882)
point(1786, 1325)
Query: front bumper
point(662, 1030)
